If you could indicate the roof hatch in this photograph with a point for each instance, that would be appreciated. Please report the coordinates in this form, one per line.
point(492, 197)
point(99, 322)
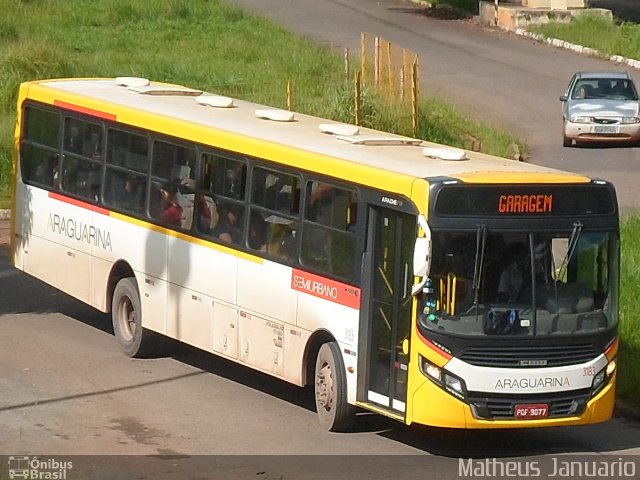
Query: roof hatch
point(275, 115)
point(378, 140)
point(339, 129)
point(217, 101)
point(132, 81)
point(445, 153)
point(166, 90)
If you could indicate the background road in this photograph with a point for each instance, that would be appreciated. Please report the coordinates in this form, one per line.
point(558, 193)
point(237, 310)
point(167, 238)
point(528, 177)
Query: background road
point(492, 75)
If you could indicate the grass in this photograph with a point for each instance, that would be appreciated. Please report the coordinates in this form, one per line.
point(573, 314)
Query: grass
point(204, 44)
point(629, 373)
point(597, 32)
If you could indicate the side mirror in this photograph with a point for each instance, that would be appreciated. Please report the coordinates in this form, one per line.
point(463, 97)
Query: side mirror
point(422, 256)
point(563, 98)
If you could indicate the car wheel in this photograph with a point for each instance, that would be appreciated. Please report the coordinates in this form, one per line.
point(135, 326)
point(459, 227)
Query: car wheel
point(567, 142)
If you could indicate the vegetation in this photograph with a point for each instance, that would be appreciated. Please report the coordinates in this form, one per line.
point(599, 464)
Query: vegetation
point(597, 32)
point(629, 372)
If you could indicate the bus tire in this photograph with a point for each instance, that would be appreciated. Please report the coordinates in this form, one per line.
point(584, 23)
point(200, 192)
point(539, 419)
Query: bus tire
point(334, 412)
point(126, 314)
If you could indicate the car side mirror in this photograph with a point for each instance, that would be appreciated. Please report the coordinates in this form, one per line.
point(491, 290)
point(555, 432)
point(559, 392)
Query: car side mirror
point(563, 98)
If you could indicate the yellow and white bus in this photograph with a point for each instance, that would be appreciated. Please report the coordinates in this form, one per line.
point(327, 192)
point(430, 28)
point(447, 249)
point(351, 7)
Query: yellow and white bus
point(422, 282)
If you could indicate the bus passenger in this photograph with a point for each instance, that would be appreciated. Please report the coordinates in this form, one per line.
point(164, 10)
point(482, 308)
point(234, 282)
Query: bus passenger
point(171, 210)
point(227, 229)
point(257, 233)
point(512, 278)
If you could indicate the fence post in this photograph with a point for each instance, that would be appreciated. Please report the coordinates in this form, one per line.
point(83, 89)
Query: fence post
point(414, 96)
point(289, 95)
point(376, 61)
point(346, 65)
point(357, 98)
point(363, 47)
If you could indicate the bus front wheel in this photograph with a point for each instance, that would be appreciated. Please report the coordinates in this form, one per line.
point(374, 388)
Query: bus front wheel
point(126, 314)
point(334, 412)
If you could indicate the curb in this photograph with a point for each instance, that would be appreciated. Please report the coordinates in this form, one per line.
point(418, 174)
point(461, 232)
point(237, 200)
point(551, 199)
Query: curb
point(591, 52)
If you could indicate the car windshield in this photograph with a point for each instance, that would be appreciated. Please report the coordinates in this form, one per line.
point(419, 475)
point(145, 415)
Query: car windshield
point(604, 88)
point(487, 283)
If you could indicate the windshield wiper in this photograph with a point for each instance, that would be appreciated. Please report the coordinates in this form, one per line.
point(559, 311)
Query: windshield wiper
point(573, 243)
point(481, 238)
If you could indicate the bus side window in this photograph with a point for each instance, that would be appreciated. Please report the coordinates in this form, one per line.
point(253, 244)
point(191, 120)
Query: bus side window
point(39, 157)
point(275, 198)
point(219, 203)
point(82, 160)
point(126, 166)
point(328, 231)
point(173, 171)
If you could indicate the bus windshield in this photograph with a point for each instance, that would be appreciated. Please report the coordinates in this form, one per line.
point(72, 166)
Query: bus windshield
point(490, 283)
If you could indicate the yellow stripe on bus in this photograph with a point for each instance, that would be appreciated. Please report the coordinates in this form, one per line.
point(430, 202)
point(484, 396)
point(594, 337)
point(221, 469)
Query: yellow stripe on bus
point(187, 238)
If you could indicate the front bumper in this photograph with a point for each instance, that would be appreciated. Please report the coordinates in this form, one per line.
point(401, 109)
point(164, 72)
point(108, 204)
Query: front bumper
point(434, 406)
point(583, 132)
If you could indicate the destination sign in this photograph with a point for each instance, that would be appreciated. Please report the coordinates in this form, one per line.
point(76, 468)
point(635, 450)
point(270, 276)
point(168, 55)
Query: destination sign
point(524, 200)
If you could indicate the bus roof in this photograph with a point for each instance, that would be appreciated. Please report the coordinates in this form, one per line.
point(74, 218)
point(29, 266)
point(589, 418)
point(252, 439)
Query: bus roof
point(369, 157)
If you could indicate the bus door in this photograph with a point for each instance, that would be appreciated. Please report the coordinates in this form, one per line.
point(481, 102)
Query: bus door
point(386, 317)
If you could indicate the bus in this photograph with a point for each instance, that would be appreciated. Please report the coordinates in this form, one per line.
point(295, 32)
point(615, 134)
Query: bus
point(425, 283)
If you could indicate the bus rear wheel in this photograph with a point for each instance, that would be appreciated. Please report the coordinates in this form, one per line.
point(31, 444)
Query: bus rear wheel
point(334, 412)
point(126, 314)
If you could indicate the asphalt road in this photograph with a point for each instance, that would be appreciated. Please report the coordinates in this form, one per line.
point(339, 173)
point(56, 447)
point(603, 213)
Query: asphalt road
point(67, 390)
point(494, 76)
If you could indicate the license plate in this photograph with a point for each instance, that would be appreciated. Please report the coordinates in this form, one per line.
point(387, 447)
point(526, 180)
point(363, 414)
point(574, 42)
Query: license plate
point(605, 129)
point(533, 410)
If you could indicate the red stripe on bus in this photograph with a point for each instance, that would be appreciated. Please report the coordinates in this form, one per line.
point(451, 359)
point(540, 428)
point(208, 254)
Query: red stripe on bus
point(321, 287)
point(85, 110)
point(434, 347)
point(78, 203)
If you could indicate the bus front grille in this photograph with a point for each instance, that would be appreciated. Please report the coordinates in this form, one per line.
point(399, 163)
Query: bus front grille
point(529, 357)
point(503, 407)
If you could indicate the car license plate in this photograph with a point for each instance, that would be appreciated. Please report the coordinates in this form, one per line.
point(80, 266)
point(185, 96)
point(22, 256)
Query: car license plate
point(605, 129)
point(533, 410)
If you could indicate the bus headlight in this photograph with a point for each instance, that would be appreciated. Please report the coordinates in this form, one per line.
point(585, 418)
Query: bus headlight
point(454, 385)
point(611, 367)
point(443, 379)
point(597, 380)
point(602, 377)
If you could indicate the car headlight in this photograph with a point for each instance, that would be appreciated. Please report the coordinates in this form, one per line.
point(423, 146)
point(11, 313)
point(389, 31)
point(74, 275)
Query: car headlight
point(581, 119)
point(629, 120)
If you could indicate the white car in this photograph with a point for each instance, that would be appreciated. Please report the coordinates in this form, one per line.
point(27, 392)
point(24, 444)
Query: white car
point(600, 107)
